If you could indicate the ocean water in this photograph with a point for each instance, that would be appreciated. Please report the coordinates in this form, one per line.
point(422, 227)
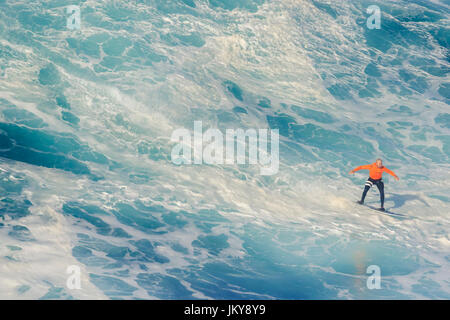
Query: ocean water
point(86, 177)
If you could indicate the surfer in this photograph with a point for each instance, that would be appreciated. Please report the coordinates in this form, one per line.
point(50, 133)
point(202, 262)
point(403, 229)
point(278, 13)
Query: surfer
point(376, 170)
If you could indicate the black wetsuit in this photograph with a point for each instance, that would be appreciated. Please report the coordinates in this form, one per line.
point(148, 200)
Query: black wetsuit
point(380, 185)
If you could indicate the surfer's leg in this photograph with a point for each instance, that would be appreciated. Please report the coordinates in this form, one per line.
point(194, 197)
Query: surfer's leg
point(380, 186)
point(367, 186)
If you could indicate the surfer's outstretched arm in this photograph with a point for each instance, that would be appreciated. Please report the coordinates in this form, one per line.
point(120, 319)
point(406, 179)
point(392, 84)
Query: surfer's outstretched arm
point(365, 167)
point(391, 173)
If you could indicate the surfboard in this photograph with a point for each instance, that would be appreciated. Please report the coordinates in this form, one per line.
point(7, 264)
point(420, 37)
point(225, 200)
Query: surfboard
point(386, 212)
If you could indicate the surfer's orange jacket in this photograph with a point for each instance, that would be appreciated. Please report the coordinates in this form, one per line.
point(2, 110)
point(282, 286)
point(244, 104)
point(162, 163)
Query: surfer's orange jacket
point(375, 172)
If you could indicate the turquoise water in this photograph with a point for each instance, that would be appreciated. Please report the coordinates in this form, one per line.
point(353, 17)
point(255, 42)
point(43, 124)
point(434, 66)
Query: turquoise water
point(86, 176)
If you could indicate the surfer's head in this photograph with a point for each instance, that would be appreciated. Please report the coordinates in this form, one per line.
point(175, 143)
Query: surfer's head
point(379, 163)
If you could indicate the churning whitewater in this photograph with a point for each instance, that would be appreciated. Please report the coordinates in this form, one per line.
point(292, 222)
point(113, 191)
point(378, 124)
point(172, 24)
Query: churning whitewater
point(93, 205)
